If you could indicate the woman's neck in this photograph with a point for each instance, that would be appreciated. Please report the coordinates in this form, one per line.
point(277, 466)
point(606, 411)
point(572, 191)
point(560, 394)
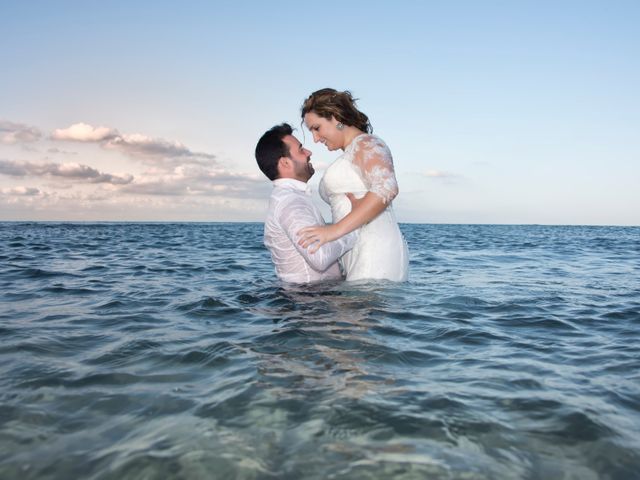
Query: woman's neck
point(349, 134)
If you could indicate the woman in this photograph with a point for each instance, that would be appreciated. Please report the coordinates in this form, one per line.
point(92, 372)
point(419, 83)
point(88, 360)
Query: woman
point(364, 173)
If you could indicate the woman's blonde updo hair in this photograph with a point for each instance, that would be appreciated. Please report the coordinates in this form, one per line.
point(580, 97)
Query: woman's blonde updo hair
point(327, 103)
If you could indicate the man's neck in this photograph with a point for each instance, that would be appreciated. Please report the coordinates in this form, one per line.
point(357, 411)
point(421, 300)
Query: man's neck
point(293, 178)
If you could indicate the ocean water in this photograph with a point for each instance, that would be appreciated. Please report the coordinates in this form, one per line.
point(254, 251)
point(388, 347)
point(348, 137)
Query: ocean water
point(161, 351)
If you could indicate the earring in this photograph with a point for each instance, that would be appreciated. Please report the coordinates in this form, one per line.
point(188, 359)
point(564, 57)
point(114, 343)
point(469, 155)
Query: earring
point(340, 126)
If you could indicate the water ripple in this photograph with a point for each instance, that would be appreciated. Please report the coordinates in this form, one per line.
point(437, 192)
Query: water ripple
point(171, 351)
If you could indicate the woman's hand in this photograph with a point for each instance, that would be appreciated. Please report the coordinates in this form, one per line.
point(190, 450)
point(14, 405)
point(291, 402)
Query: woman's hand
point(312, 238)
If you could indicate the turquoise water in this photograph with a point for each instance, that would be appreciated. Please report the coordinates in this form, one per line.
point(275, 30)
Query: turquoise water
point(171, 351)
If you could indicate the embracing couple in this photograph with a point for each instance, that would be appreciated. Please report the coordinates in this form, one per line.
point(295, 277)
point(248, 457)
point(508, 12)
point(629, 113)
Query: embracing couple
point(359, 185)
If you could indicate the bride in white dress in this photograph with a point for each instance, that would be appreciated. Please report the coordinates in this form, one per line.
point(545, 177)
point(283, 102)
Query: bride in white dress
point(363, 176)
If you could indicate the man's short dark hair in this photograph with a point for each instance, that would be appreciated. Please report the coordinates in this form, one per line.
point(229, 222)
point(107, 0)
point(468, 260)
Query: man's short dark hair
point(270, 148)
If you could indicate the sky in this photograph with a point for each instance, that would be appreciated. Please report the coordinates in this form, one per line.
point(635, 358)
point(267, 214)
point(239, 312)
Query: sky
point(495, 112)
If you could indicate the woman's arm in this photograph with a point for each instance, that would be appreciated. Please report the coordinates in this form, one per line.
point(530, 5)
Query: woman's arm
point(363, 211)
point(373, 162)
point(293, 212)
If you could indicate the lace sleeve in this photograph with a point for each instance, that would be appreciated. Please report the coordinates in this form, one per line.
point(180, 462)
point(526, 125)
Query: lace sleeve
point(373, 161)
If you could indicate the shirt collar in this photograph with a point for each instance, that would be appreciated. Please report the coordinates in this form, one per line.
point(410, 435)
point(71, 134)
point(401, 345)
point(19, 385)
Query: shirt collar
point(293, 184)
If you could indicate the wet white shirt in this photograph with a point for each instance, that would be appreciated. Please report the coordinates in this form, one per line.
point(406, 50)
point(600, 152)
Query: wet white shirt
point(291, 209)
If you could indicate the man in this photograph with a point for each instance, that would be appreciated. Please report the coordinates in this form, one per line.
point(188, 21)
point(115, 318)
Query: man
point(283, 160)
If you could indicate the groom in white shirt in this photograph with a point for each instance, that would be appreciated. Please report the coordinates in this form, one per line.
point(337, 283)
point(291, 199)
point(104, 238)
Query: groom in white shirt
point(283, 160)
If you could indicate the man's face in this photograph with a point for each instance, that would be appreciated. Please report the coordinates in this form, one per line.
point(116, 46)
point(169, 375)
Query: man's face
point(301, 158)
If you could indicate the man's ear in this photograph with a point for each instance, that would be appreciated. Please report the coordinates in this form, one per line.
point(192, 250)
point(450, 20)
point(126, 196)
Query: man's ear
point(284, 162)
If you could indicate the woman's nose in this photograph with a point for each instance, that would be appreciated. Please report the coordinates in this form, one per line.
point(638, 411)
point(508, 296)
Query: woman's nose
point(316, 137)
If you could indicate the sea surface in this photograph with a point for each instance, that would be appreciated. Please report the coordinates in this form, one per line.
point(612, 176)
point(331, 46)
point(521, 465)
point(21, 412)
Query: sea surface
point(171, 351)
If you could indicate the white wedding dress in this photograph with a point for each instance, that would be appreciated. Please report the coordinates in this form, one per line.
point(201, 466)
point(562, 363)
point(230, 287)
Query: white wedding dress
point(380, 251)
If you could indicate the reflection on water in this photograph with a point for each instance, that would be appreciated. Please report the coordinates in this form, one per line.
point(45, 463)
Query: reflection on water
point(171, 351)
point(319, 343)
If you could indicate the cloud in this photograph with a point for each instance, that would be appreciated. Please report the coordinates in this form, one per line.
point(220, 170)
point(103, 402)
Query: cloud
point(11, 133)
point(176, 179)
point(445, 177)
point(74, 171)
point(22, 191)
point(183, 181)
point(439, 174)
point(141, 146)
point(16, 169)
point(112, 205)
point(197, 181)
point(133, 145)
point(63, 152)
point(81, 132)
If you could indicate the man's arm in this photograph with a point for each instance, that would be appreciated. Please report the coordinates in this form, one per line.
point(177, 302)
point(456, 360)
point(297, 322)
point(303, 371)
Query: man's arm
point(296, 213)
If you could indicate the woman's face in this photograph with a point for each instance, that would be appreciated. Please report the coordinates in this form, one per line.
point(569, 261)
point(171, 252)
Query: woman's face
point(324, 131)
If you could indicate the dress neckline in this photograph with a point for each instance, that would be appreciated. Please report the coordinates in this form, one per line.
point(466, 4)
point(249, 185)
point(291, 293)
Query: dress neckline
point(353, 140)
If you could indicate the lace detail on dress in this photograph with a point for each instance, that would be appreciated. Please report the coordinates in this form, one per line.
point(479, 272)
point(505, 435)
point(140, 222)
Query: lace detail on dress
point(374, 164)
point(380, 251)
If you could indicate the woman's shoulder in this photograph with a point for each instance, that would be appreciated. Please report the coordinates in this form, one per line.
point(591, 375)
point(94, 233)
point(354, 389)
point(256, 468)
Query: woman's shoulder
point(368, 142)
point(368, 138)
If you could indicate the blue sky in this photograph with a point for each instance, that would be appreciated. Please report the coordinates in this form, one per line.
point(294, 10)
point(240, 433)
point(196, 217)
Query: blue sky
point(495, 111)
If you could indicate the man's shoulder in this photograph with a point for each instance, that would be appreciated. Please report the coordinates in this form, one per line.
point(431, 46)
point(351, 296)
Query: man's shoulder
point(283, 196)
point(285, 200)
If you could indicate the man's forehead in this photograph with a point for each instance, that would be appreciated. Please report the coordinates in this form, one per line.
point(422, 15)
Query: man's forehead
point(292, 140)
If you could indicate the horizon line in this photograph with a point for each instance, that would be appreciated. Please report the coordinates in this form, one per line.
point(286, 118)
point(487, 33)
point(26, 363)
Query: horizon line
point(262, 222)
